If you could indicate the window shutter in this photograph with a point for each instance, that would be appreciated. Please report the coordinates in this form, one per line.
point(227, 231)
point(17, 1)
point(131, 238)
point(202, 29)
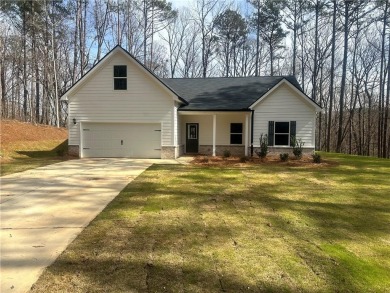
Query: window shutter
point(293, 130)
point(271, 132)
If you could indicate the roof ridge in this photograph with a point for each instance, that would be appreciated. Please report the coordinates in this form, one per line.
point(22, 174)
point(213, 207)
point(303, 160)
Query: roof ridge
point(223, 77)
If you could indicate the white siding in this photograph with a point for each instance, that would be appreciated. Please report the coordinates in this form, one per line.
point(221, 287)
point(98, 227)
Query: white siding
point(143, 101)
point(206, 127)
point(285, 105)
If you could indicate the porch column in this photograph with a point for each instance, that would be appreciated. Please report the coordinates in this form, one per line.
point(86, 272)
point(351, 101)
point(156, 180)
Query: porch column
point(214, 133)
point(246, 134)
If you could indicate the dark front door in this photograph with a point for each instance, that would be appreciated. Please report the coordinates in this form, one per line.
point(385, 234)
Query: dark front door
point(192, 141)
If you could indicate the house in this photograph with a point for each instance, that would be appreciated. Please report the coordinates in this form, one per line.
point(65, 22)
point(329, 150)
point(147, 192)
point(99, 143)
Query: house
point(121, 109)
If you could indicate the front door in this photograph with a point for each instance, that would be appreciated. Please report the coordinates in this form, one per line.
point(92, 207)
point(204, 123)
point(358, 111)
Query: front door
point(192, 141)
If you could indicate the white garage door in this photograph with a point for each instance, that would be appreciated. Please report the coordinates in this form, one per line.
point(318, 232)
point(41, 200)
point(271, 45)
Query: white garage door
point(114, 140)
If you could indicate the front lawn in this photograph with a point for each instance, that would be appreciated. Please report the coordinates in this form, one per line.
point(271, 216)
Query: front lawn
point(259, 228)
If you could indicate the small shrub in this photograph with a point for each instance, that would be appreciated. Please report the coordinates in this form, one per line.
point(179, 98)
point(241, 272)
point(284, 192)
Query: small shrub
point(284, 157)
point(226, 154)
point(297, 145)
point(262, 153)
point(316, 158)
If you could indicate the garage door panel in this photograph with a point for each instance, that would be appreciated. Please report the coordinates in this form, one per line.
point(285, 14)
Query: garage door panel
point(121, 140)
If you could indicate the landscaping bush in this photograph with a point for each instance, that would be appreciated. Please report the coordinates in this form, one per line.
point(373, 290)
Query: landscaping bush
point(262, 153)
point(284, 157)
point(316, 158)
point(297, 145)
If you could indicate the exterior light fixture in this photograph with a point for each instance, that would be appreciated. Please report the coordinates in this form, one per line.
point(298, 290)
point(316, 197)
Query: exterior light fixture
point(74, 121)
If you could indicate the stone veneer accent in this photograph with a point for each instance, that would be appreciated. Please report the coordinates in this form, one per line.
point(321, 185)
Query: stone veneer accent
point(173, 152)
point(74, 150)
point(170, 152)
point(181, 150)
point(219, 149)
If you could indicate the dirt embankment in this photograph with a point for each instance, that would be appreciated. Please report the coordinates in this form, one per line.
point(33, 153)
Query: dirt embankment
point(15, 131)
point(20, 140)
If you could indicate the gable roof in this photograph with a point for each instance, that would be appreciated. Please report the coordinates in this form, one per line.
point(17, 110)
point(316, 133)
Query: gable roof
point(227, 93)
point(297, 90)
point(101, 63)
point(208, 94)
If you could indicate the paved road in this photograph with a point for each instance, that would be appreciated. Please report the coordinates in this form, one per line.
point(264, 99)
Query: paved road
point(44, 209)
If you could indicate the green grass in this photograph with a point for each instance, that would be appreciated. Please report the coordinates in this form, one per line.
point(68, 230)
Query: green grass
point(22, 156)
point(263, 228)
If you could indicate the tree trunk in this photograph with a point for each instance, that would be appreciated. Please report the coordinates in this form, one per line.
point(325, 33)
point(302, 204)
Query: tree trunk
point(257, 68)
point(25, 91)
point(343, 80)
point(4, 108)
point(295, 39)
point(75, 43)
point(145, 12)
point(331, 86)
point(314, 78)
point(382, 78)
point(386, 139)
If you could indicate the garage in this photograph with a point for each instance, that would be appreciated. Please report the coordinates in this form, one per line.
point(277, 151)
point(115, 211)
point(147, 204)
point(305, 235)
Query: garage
point(115, 140)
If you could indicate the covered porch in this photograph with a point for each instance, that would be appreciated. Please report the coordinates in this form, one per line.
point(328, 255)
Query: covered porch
point(215, 132)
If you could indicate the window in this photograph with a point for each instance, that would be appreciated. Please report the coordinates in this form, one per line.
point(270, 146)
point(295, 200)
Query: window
point(235, 133)
point(282, 133)
point(120, 77)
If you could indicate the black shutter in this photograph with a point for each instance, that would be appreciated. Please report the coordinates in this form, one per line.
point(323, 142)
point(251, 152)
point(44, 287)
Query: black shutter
point(271, 132)
point(293, 131)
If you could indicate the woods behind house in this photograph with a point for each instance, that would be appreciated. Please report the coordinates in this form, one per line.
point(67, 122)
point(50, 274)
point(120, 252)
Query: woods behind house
point(338, 50)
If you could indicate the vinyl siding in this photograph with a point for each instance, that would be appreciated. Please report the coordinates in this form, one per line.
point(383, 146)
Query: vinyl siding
point(285, 105)
point(145, 100)
point(206, 127)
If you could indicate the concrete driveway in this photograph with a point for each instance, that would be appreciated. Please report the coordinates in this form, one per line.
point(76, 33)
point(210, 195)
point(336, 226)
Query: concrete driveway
point(44, 209)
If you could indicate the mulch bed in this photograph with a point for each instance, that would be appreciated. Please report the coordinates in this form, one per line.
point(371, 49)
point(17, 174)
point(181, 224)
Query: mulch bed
point(272, 159)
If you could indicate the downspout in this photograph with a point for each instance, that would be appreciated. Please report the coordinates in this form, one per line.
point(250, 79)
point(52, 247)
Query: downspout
point(252, 119)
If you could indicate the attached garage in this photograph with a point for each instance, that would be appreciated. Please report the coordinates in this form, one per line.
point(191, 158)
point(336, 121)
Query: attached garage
point(115, 140)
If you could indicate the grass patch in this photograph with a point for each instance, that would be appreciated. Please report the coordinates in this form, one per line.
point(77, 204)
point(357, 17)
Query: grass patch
point(260, 228)
point(24, 155)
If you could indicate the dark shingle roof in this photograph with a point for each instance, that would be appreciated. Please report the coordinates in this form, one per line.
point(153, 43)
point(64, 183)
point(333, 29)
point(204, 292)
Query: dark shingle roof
point(219, 93)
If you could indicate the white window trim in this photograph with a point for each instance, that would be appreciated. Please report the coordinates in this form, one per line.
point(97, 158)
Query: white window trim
point(242, 133)
point(288, 134)
point(119, 77)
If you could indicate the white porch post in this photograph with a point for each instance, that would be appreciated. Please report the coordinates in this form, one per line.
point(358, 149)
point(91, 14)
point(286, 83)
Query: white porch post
point(214, 133)
point(246, 134)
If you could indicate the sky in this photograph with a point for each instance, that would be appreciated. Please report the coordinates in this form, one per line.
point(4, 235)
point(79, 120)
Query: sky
point(189, 3)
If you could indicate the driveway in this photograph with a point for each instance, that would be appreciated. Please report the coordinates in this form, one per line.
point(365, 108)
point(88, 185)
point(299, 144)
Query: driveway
point(44, 209)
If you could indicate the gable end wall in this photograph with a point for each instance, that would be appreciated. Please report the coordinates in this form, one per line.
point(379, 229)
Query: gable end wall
point(285, 105)
point(144, 101)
